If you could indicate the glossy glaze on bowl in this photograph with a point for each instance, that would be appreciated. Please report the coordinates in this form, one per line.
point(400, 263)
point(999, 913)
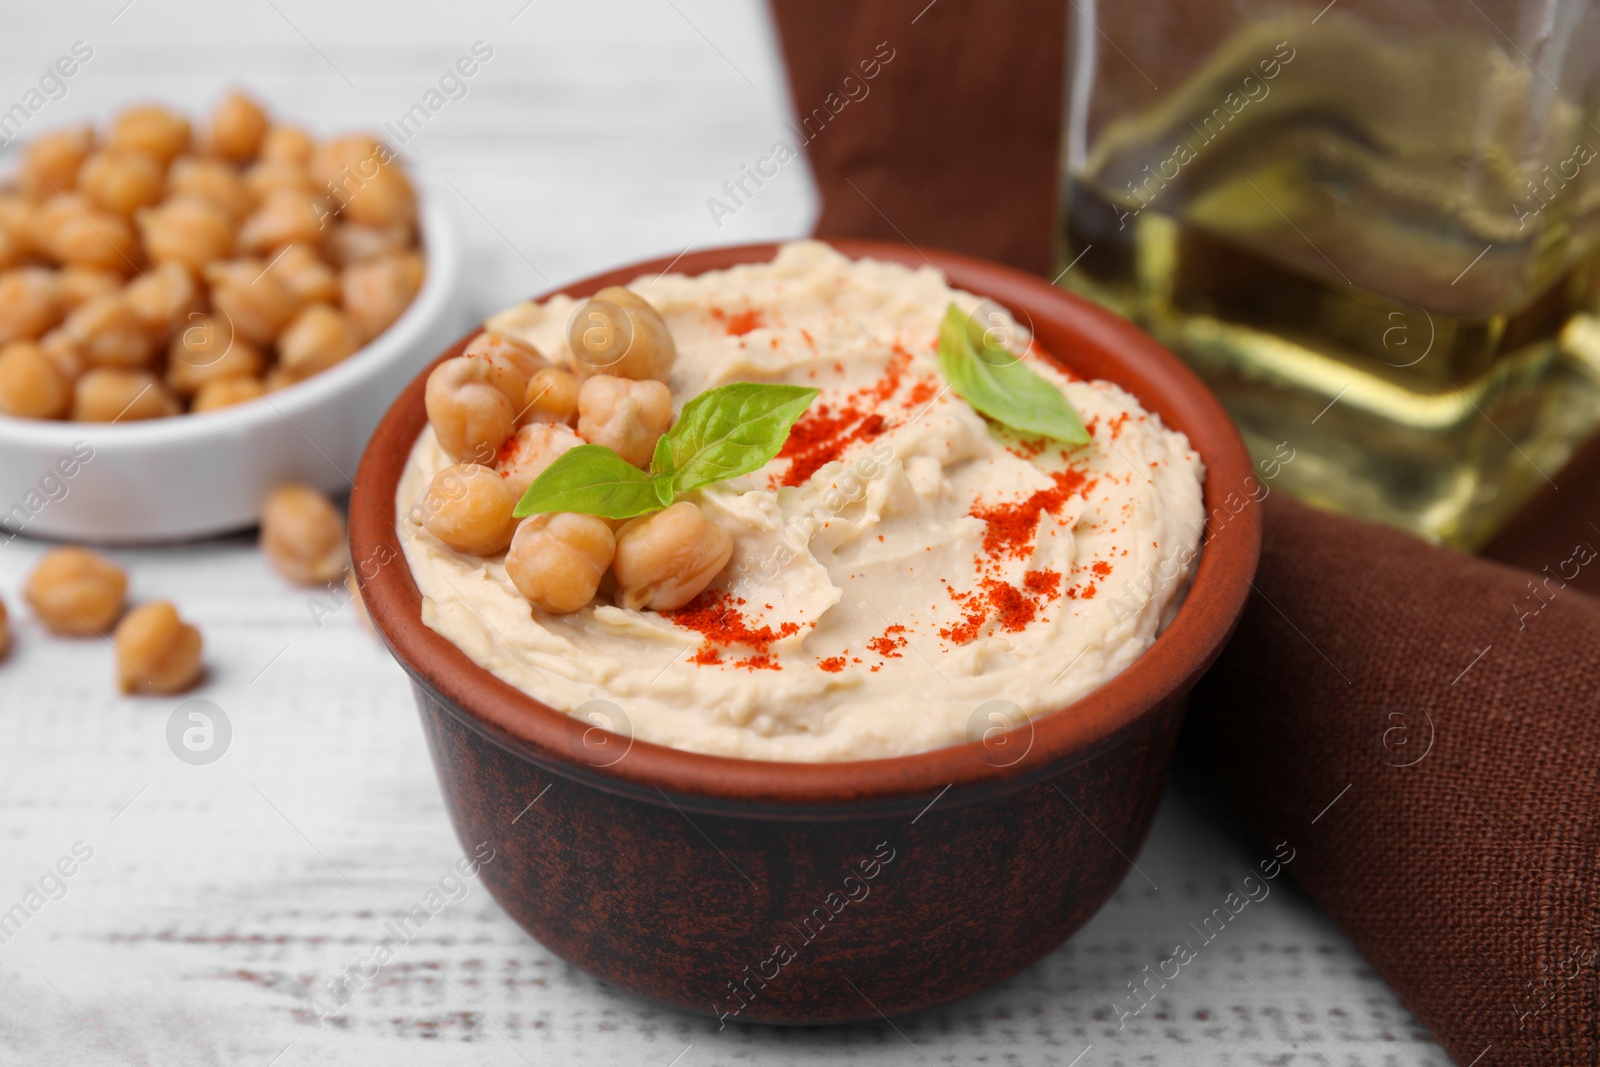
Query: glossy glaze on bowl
point(198, 475)
point(670, 873)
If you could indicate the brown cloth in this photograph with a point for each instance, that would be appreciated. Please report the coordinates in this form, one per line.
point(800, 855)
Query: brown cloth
point(1422, 726)
point(937, 148)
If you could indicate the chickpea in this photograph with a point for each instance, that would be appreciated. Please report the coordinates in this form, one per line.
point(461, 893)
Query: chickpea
point(45, 218)
point(511, 363)
point(152, 130)
point(203, 353)
point(31, 386)
point(287, 144)
point(315, 340)
point(115, 394)
point(78, 233)
point(16, 218)
point(367, 179)
point(530, 451)
point(285, 217)
point(13, 249)
point(60, 350)
point(252, 298)
point(387, 199)
point(468, 507)
point(270, 176)
point(187, 230)
point(79, 285)
point(30, 303)
point(627, 417)
point(157, 652)
point(76, 592)
point(121, 181)
point(551, 396)
point(470, 416)
point(638, 345)
point(225, 392)
point(664, 560)
point(349, 243)
point(16, 231)
point(305, 275)
point(162, 298)
point(302, 535)
point(557, 560)
point(376, 291)
point(238, 126)
point(108, 333)
point(201, 340)
point(51, 164)
point(210, 179)
point(277, 379)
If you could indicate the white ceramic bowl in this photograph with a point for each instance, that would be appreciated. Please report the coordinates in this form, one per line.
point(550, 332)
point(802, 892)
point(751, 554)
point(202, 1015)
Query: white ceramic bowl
point(196, 475)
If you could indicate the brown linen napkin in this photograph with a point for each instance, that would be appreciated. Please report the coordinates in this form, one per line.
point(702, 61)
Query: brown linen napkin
point(952, 142)
point(1423, 727)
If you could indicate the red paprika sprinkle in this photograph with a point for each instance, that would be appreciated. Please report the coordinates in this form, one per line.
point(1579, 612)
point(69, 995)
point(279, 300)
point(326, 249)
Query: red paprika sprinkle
point(717, 618)
point(508, 454)
point(740, 322)
point(1043, 583)
point(833, 664)
point(888, 646)
point(1011, 526)
point(826, 431)
point(925, 390)
point(965, 631)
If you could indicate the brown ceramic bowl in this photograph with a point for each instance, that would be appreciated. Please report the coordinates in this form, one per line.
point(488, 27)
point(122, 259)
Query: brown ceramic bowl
point(819, 893)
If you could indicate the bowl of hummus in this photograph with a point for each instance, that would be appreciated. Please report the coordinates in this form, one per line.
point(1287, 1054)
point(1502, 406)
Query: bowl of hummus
point(752, 591)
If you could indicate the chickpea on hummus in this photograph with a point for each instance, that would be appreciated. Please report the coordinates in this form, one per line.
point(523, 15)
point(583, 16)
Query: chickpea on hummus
point(901, 561)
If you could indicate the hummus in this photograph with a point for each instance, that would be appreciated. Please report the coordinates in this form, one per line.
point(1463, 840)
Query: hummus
point(904, 563)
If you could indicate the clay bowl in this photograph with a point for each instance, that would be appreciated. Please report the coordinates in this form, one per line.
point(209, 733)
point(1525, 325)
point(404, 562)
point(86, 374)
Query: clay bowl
point(819, 893)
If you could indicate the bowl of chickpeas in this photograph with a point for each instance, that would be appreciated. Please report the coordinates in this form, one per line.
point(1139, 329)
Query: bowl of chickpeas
point(192, 313)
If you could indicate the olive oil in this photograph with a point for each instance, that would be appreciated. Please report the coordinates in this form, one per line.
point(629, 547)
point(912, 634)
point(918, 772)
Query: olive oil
point(1371, 253)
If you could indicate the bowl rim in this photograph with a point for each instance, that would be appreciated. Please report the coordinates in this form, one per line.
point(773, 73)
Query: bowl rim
point(556, 740)
point(440, 247)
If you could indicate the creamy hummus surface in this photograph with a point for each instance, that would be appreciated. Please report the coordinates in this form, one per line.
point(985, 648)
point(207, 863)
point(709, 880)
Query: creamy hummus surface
point(900, 567)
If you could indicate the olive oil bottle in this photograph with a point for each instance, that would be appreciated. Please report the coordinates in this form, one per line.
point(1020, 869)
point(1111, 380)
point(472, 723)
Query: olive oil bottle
point(1379, 248)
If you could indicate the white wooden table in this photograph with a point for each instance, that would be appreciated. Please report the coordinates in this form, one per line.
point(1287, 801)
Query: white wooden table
point(217, 896)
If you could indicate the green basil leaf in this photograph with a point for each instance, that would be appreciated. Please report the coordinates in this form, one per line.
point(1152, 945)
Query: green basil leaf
point(593, 480)
point(661, 462)
point(728, 431)
point(996, 382)
point(666, 492)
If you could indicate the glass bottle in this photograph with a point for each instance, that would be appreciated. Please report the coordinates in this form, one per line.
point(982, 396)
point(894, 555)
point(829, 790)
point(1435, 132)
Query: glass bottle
point(1371, 226)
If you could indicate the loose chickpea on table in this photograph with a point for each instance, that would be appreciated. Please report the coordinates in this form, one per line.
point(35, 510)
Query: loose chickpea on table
point(303, 535)
point(505, 412)
point(157, 652)
point(117, 245)
point(75, 592)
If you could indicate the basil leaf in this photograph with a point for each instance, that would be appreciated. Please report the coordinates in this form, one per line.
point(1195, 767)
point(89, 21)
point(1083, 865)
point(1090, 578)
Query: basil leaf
point(593, 480)
point(728, 431)
point(996, 382)
point(661, 462)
